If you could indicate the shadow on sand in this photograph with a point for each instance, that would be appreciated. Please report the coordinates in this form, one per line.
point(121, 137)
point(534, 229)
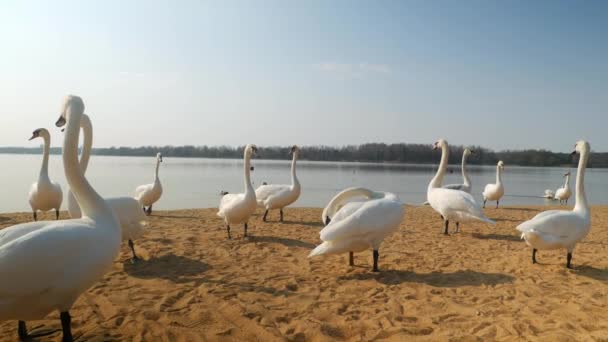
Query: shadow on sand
point(519, 209)
point(284, 241)
point(177, 217)
point(309, 224)
point(592, 272)
point(175, 268)
point(500, 237)
point(438, 279)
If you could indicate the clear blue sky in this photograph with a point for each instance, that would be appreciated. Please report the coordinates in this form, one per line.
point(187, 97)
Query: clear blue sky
point(502, 74)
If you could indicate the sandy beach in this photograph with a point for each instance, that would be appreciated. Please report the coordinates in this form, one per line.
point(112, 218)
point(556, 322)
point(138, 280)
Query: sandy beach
point(479, 284)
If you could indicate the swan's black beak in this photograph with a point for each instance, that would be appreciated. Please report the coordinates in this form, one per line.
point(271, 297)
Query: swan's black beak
point(327, 220)
point(62, 130)
point(32, 138)
point(251, 168)
point(60, 122)
point(473, 152)
point(573, 153)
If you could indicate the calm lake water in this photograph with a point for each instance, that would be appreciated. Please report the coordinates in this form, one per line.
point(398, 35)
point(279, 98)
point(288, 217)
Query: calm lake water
point(196, 183)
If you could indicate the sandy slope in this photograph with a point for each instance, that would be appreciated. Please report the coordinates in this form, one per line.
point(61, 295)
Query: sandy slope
point(476, 285)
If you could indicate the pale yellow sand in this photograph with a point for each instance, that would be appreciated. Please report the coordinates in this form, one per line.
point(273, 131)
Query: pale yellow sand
point(479, 284)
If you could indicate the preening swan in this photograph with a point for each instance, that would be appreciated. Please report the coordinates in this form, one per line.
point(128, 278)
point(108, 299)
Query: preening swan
point(563, 194)
point(466, 185)
point(455, 205)
point(148, 194)
point(549, 194)
point(127, 209)
point(45, 194)
point(46, 265)
point(556, 229)
point(278, 196)
point(494, 192)
point(353, 226)
point(237, 208)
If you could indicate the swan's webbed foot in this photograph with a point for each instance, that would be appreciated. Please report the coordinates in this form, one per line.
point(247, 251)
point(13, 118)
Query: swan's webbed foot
point(534, 255)
point(66, 325)
point(281, 211)
point(56, 214)
point(228, 231)
point(132, 246)
point(569, 260)
point(265, 214)
point(376, 256)
point(447, 224)
point(351, 259)
point(22, 330)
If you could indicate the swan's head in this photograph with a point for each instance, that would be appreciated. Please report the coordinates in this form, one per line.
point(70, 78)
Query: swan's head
point(501, 164)
point(159, 157)
point(40, 133)
point(295, 150)
point(251, 150)
point(567, 174)
point(580, 147)
point(71, 101)
point(467, 152)
point(441, 143)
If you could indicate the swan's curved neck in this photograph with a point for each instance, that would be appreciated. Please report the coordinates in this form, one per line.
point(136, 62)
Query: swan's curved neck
point(567, 184)
point(91, 203)
point(443, 166)
point(247, 163)
point(581, 200)
point(465, 175)
point(44, 168)
point(294, 177)
point(87, 145)
point(498, 175)
point(340, 199)
point(157, 167)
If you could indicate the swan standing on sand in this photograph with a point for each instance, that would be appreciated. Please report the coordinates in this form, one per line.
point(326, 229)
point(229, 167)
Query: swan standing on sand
point(494, 192)
point(556, 229)
point(466, 186)
point(47, 265)
point(237, 208)
point(45, 194)
point(563, 194)
point(358, 225)
point(148, 194)
point(452, 204)
point(275, 196)
point(127, 209)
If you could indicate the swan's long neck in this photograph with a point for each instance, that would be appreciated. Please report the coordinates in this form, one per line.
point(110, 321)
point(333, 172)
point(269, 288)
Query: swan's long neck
point(443, 165)
point(341, 198)
point(247, 163)
point(87, 145)
point(91, 203)
point(567, 183)
point(498, 175)
point(44, 168)
point(581, 199)
point(294, 177)
point(156, 171)
point(465, 175)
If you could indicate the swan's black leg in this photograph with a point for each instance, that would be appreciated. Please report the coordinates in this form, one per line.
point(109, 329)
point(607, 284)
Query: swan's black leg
point(56, 214)
point(35, 216)
point(497, 204)
point(144, 209)
point(22, 330)
point(265, 214)
point(484, 203)
point(457, 227)
point(376, 255)
point(281, 211)
point(569, 259)
point(66, 325)
point(245, 231)
point(534, 255)
point(132, 246)
point(447, 224)
point(351, 259)
point(228, 231)
point(150, 210)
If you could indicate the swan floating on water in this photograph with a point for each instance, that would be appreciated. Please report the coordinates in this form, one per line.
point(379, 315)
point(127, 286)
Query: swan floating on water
point(279, 196)
point(563, 194)
point(47, 265)
point(237, 208)
point(456, 205)
point(494, 192)
point(45, 194)
point(555, 229)
point(127, 209)
point(148, 194)
point(353, 226)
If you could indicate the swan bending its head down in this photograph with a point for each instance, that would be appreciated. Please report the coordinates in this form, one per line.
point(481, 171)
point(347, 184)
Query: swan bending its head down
point(278, 196)
point(353, 226)
point(563, 194)
point(45, 194)
point(51, 263)
point(554, 229)
point(127, 209)
point(494, 192)
point(466, 185)
point(148, 194)
point(237, 208)
point(456, 205)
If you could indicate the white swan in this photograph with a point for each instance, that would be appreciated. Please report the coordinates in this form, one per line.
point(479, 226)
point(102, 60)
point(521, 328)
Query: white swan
point(357, 225)
point(452, 204)
point(549, 194)
point(46, 265)
point(45, 194)
point(494, 192)
point(278, 196)
point(563, 194)
point(148, 194)
point(127, 209)
point(237, 208)
point(466, 185)
point(554, 229)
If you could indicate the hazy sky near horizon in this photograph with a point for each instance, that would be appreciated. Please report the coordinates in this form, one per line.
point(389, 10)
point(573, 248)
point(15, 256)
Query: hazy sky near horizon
point(501, 74)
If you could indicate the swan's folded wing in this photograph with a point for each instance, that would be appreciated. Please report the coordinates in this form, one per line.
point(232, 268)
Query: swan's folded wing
point(264, 192)
point(17, 231)
point(229, 200)
point(142, 188)
point(453, 186)
point(559, 223)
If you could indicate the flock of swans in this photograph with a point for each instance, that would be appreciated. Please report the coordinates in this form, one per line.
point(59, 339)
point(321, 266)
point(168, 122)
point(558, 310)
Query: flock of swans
point(51, 263)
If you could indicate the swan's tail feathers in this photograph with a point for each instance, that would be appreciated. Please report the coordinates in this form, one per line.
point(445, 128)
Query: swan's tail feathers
point(321, 249)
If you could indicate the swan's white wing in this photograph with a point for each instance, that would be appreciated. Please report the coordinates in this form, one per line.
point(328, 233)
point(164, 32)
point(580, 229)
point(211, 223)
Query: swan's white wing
point(17, 231)
point(457, 202)
point(229, 201)
point(130, 216)
point(454, 186)
point(489, 189)
point(143, 188)
point(557, 225)
point(265, 192)
point(348, 209)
